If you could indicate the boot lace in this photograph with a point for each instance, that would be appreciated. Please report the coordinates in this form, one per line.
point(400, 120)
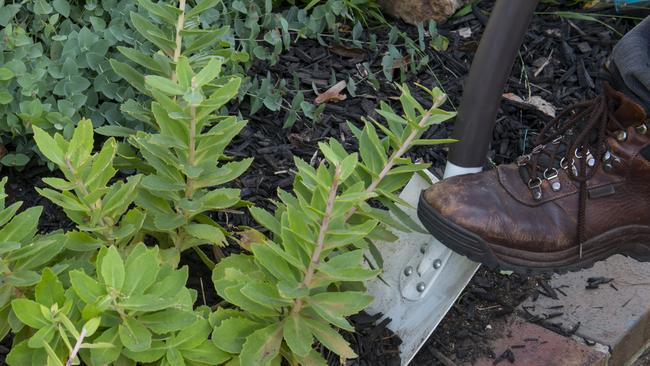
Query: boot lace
point(577, 145)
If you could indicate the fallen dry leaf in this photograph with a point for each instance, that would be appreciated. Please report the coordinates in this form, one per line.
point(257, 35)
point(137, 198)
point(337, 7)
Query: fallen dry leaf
point(348, 52)
point(333, 94)
point(535, 101)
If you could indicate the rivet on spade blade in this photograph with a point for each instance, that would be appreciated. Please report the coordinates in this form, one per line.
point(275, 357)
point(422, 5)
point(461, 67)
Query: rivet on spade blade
point(408, 271)
point(420, 287)
point(437, 264)
point(423, 248)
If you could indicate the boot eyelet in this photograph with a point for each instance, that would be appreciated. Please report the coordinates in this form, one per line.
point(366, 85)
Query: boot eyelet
point(608, 167)
point(550, 173)
point(578, 153)
point(607, 156)
point(621, 135)
point(534, 182)
point(564, 163)
point(641, 129)
point(535, 187)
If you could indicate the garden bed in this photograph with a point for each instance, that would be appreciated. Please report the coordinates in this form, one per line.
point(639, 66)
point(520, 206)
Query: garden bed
point(559, 62)
point(577, 50)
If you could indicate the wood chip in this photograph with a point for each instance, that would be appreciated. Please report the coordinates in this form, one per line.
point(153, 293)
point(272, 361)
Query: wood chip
point(534, 101)
point(347, 52)
point(465, 32)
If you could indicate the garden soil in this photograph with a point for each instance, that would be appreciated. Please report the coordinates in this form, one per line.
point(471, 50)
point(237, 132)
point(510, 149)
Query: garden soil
point(559, 63)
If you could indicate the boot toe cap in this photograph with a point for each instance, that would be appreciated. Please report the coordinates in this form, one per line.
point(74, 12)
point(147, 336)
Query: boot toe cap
point(479, 204)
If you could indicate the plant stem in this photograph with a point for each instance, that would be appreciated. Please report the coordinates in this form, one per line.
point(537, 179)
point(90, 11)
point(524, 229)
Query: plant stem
point(77, 347)
point(189, 189)
point(180, 24)
point(79, 183)
point(320, 242)
point(391, 160)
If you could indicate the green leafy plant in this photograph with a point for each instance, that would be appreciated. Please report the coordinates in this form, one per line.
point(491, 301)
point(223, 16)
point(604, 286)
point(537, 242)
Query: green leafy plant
point(23, 254)
point(54, 68)
point(101, 211)
point(175, 31)
point(362, 10)
point(299, 285)
point(47, 326)
point(184, 157)
point(131, 309)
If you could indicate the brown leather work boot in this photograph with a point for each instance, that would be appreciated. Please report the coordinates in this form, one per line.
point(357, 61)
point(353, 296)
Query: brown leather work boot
point(582, 195)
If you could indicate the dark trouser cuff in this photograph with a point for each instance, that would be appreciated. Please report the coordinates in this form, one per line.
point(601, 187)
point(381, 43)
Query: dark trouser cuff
point(630, 64)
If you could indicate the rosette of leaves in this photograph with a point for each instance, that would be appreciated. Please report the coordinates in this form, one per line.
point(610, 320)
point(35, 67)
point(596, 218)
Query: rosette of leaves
point(131, 310)
point(54, 68)
point(47, 332)
point(187, 157)
point(101, 211)
point(298, 286)
point(22, 254)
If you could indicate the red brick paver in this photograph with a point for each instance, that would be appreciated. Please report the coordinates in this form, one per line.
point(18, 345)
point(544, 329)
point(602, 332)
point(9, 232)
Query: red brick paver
point(533, 345)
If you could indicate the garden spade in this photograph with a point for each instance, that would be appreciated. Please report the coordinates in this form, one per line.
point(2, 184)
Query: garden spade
point(421, 277)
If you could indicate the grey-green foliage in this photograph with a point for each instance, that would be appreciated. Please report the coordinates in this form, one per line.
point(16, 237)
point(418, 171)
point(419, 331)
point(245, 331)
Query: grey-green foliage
point(355, 10)
point(265, 32)
point(265, 29)
point(54, 68)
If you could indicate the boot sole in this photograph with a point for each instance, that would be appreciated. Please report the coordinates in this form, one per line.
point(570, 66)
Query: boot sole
point(632, 241)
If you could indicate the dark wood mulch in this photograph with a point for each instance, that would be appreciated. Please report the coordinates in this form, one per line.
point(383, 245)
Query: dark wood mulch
point(575, 50)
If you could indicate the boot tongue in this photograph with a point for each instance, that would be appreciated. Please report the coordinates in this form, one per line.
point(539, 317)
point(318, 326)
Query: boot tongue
point(626, 111)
